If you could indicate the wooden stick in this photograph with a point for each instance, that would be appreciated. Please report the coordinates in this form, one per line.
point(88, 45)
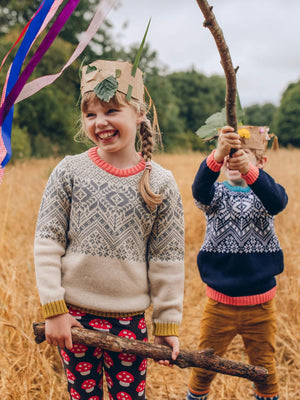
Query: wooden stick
point(204, 358)
point(230, 73)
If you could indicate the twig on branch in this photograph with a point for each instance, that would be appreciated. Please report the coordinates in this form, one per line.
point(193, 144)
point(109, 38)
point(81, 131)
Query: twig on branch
point(204, 358)
point(230, 73)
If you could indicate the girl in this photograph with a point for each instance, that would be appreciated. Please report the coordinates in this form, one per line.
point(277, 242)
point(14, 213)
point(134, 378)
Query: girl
point(110, 239)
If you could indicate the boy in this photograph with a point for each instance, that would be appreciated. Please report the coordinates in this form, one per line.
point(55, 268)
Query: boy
point(240, 256)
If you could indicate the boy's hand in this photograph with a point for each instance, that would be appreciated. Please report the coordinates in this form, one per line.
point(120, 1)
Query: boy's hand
point(171, 341)
point(227, 140)
point(239, 161)
point(58, 330)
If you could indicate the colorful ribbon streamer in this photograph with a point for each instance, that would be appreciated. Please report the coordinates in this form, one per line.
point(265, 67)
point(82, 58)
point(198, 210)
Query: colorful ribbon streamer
point(34, 86)
point(16, 93)
point(6, 123)
point(41, 50)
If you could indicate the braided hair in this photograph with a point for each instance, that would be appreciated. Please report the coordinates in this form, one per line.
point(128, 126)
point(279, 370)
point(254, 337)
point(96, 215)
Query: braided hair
point(146, 133)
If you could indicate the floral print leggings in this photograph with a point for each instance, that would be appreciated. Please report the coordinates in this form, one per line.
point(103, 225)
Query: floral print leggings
point(125, 374)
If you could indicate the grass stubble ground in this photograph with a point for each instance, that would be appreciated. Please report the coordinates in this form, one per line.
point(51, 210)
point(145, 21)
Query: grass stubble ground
point(33, 372)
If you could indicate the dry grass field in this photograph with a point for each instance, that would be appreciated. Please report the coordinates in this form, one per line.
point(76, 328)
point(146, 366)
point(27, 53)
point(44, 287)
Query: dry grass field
point(33, 372)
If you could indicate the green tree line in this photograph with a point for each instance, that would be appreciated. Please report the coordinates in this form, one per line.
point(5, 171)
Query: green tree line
point(45, 124)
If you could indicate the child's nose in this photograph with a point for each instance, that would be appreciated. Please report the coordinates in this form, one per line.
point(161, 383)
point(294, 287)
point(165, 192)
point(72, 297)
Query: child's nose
point(101, 120)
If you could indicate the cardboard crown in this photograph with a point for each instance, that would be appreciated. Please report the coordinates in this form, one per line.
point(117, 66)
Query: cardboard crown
point(106, 77)
point(254, 137)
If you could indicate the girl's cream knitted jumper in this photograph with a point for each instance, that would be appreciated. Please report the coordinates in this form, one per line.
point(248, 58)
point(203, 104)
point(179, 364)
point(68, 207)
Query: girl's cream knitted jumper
point(98, 247)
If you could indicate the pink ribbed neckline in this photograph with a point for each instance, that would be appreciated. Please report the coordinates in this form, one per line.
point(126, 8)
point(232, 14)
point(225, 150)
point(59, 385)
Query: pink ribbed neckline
point(113, 170)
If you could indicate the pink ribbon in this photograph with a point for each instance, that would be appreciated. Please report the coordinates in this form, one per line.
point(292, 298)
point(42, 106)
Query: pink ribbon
point(39, 83)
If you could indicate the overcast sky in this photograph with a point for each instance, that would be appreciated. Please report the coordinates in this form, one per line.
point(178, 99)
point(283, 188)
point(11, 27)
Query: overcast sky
point(263, 37)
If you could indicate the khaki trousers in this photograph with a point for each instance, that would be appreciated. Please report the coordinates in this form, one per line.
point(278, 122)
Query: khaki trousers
point(256, 324)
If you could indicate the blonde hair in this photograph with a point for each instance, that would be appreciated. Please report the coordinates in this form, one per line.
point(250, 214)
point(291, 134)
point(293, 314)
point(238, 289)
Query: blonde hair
point(147, 139)
point(259, 154)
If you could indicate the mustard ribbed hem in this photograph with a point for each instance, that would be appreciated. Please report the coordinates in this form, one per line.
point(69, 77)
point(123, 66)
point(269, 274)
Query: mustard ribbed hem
point(161, 329)
point(56, 308)
point(107, 314)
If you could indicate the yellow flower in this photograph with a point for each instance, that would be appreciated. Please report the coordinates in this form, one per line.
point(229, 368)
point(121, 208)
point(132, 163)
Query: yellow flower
point(244, 133)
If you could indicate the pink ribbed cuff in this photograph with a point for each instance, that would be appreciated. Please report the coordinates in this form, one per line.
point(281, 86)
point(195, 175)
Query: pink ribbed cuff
point(240, 300)
point(212, 163)
point(252, 175)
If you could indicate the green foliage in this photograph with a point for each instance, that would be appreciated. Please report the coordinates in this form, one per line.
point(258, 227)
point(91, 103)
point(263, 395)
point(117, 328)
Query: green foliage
point(287, 117)
point(260, 115)
point(148, 61)
point(14, 12)
point(217, 120)
point(166, 104)
point(212, 124)
point(139, 52)
point(198, 96)
point(20, 143)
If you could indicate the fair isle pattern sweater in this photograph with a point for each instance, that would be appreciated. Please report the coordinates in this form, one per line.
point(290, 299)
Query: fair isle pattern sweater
point(98, 246)
point(241, 255)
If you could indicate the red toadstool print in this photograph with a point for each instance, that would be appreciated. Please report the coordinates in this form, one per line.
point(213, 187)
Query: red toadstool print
point(76, 313)
point(125, 320)
point(98, 352)
point(100, 386)
point(79, 350)
point(99, 368)
point(108, 360)
point(108, 380)
point(141, 388)
point(70, 376)
point(127, 359)
point(142, 325)
point(88, 385)
point(127, 334)
point(125, 378)
point(65, 356)
point(74, 395)
point(143, 366)
point(100, 324)
point(123, 396)
point(84, 368)
point(94, 398)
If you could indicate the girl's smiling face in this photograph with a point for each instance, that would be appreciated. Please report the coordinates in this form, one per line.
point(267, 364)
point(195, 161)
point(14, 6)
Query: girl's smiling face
point(112, 128)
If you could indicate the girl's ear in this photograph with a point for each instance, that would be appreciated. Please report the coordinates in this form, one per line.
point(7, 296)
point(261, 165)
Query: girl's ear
point(262, 162)
point(141, 118)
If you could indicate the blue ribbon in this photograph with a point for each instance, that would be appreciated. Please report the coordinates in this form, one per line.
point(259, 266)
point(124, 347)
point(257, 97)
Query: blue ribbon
point(18, 61)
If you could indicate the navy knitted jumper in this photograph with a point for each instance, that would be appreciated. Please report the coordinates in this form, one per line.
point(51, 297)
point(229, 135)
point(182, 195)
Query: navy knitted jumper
point(241, 254)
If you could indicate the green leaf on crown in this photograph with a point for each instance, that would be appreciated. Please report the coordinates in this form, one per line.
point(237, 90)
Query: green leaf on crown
point(90, 68)
point(106, 89)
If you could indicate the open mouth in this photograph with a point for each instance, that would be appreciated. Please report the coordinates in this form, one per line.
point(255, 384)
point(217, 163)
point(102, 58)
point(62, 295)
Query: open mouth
point(107, 135)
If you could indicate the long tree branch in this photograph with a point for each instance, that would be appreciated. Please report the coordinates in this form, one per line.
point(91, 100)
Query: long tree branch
point(204, 358)
point(230, 73)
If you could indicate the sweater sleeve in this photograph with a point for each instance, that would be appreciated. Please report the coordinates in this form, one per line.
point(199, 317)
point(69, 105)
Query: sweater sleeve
point(166, 263)
point(272, 195)
point(203, 187)
point(50, 241)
